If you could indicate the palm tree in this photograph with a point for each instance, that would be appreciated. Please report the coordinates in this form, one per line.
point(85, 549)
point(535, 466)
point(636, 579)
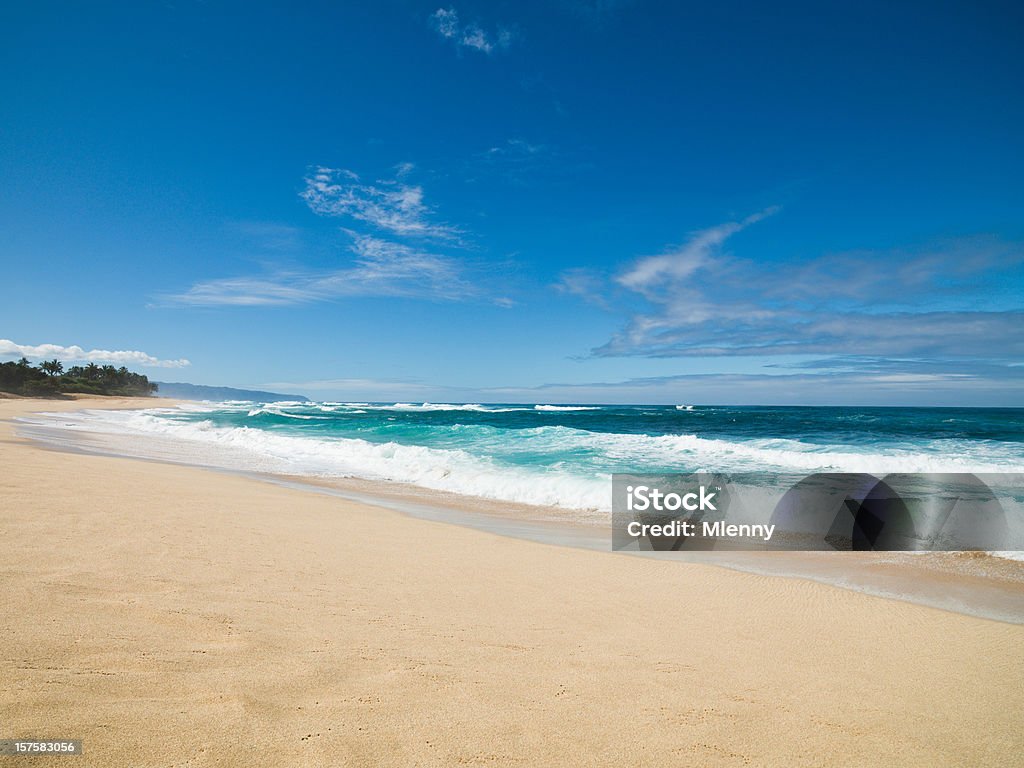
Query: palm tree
point(51, 367)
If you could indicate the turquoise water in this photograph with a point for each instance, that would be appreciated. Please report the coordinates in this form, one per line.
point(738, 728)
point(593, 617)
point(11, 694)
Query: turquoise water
point(564, 455)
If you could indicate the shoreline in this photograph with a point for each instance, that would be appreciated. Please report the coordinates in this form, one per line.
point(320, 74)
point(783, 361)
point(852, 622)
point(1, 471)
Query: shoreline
point(144, 600)
point(969, 583)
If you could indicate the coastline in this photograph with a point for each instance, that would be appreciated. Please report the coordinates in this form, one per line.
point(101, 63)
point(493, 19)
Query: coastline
point(972, 583)
point(282, 627)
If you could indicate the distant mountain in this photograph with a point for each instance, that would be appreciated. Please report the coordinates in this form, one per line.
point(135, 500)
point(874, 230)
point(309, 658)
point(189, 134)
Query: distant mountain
point(183, 391)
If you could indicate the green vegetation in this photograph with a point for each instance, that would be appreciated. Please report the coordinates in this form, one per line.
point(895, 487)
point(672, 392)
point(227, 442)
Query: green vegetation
point(50, 379)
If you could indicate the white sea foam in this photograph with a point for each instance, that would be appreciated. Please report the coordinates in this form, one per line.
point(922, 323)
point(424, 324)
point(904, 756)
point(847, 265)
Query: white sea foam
point(714, 455)
point(1009, 555)
point(426, 407)
point(206, 407)
point(445, 407)
point(454, 471)
point(689, 453)
point(283, 413)
point(483, 460)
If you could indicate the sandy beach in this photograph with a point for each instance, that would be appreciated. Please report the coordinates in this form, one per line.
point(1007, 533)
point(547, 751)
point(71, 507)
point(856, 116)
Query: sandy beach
point(174, 616)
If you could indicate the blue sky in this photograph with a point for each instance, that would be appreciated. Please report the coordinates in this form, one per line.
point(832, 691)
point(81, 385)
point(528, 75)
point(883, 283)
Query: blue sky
point(510, 201)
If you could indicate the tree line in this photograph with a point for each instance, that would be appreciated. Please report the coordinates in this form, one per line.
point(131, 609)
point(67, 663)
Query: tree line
point(49, 379)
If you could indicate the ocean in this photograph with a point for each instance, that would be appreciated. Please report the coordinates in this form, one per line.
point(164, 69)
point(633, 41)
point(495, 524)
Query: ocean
point(563, 455)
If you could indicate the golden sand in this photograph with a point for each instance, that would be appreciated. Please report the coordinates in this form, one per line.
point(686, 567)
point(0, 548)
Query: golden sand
point(175, 616)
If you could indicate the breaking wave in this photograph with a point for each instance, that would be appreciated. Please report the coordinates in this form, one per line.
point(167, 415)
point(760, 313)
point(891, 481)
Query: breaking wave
point(547, 465)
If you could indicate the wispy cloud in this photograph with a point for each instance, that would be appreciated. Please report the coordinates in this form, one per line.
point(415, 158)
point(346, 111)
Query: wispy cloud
point(881, 366)
point(586, 283)
point(651, 275)
point(699, 300)
point(983, 335)
point(515, 149)
point(75, 353)
point(518, 161)
point(380, 268)
point(931, 385)
point(404, 169)
point(389, 205)
point(446, 23)
point(854, 382)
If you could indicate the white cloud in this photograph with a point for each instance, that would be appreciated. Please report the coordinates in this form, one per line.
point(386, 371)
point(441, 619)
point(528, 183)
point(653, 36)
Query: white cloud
point(988, 387)
point(699, 300)
point(389, 205)
point(515, 152)
point(651, 273)
point(474, 37)
point(446, 22)
point(585, 283)
point(9, 348)
point(380, 268)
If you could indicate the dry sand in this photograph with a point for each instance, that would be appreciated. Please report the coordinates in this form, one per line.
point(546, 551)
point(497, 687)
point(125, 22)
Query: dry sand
point(174, 616)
